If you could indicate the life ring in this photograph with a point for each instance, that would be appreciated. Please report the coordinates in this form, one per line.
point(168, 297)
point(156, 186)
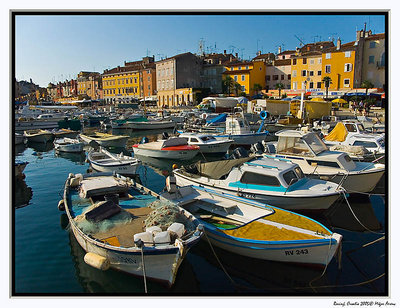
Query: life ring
point(263, 115)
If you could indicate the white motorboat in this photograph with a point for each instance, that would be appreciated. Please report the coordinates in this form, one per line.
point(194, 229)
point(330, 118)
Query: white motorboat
point(68, 145)
point(38, 135)
point(208, 144)
point(312, 155)
point(103, 161)
point(273, 181)
point(172, 148)
point(113, 219)
point(105, 140)
point(256, 230)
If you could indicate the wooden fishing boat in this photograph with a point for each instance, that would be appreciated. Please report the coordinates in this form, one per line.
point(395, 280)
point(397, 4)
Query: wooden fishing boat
point(105, 140)
point(103, 161)
point(172, 148)
point(256, 230)
point(68, 145)
point(38, 135)
point(64, 132)
point(113, 219)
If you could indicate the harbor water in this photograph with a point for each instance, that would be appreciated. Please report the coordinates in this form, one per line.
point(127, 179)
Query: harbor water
point(47, 260)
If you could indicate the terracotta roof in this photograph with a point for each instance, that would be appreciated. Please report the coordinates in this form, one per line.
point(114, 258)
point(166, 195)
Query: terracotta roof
point(265, 56)
point(177, 56)
point(237, 63)
point(344, 47)
point(286, 52)
point(236, 72)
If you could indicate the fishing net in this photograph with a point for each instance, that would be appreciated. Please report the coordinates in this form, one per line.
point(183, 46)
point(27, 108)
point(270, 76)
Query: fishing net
point(165, 214)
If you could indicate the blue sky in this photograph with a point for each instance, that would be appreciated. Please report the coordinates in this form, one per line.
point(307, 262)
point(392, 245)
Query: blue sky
point(52, 48)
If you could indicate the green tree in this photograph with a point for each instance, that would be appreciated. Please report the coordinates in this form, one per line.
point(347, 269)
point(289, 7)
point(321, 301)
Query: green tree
point(227, 85)
point(327, 82)
point(257, 88)
point(366, 84)
point(238, 88)
point(279, 86)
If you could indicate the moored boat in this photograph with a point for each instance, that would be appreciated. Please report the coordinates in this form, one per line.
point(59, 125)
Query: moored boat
point(105, 140)
point(208, 144)
point(68, 145)
point(256, 230)
point(272, 181)
point(113, 219)
point(103, 161)
point(19, 138)
point(64, 132)
point(172, 148)
point(38, 135)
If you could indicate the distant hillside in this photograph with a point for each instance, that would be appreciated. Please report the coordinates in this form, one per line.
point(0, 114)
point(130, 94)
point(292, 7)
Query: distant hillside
point(26, 87)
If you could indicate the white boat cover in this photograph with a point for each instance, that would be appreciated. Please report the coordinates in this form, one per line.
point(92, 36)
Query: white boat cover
point(102, 186)
point(216, 169)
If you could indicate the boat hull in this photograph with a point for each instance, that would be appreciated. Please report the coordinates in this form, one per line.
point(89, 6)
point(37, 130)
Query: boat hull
point(317, 252)
point(181, 155)
point(117, 143)
point(245, 139)
point(35, 124)
point(150, 125)
point(354, 182)
point(40, 137)
point(124, 169)
point(316, 203)
point(69, 148)
point(215, 148)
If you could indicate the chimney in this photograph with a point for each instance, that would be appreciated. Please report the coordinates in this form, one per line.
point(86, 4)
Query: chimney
point(259, 53)
point(236, 55)
point(220, 61)
point(230, 58)
point(338, 44)
point(279, 49)
point(224, 52)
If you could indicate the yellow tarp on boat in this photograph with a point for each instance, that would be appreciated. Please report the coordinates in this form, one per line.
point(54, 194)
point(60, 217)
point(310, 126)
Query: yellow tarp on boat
point(339, 133)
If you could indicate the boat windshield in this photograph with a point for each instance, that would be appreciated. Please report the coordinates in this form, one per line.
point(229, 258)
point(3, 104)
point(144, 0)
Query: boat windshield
point(361, 127)
point(293, 146)
point(315, 143)
point(208, 138)
point(381, 142)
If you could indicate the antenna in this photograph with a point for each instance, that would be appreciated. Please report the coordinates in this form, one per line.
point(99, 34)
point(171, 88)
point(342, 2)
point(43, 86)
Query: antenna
point(232, 48)
point(201, 46)
point(332, 37)
point(300, 40)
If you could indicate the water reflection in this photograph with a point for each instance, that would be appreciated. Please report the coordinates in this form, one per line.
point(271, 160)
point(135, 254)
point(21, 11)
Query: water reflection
point(19, 149)
point(40, 146)
point(22, 193)
point(78, 158)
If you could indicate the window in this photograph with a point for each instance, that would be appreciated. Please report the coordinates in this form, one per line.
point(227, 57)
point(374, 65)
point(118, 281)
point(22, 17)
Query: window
point(371, 60)
point(351, 128)
point(319, 61)
point(327, 69)
point(294, 61)
point(311, 85)
point(268, 77)
point(348, 67)
point(247, 67)
point(323, 163)
point(319, 73)
point(259, 179)
point(275, 77)
point(294, 85)
point(311, 73)
point(366, 144)
point(290, 177)
point(243, 88)
point(346, 83)
point(311, 61)
point(243, 77)
point(294, 73)
point(372, 44)
point(304, 60)
point(235, 78)
point(347, 54)
point(304, 73)
point(328, 55)
point(289, 77)
point(231, 68)
point(319, 85)
point(239, 68)
point(282, 77)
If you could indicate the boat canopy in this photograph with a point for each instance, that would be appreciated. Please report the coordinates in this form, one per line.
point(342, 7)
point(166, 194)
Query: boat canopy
point(218, 119)
point(216, 169)
point(173, 142)
point(297, 143)
point(339, 133)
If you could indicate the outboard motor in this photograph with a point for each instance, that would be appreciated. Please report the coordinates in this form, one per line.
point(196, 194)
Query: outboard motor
point(257, 148)
point(144, 140)
point(165, 136)
point(171, 184)
point(239, 153)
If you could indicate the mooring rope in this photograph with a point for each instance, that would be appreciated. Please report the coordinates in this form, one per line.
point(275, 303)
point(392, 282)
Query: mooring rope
point(141, 244)
point(351, 210)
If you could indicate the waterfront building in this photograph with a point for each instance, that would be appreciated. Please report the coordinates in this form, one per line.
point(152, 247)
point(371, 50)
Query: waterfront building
point(89, 85)
point(131, 82)
point(52, 91)
point(339, 63)
point(178, 79)
point(374, 59)
point(306, 67)
point(247, 74)
point(279, 70)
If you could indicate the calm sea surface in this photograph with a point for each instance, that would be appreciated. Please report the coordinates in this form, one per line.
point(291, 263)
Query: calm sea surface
point(48, 260)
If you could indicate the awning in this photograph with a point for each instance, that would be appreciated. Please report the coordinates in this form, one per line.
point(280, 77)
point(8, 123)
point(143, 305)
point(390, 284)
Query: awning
point(218, 119)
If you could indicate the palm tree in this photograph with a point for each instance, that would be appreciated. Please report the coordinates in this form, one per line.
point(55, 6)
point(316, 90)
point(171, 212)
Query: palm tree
point(366, 84)
point(279, 86)
point(227, 84)
point(237, 88)
point(327, 81)
point(257, 88)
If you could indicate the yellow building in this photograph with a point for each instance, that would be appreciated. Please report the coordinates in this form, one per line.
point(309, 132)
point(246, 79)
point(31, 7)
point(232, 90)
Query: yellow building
point(338, 63)
point(121, 84)
point(306, 67)
point(247, 74)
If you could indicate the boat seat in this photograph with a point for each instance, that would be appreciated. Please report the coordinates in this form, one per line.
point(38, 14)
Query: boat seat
point(112, 240)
